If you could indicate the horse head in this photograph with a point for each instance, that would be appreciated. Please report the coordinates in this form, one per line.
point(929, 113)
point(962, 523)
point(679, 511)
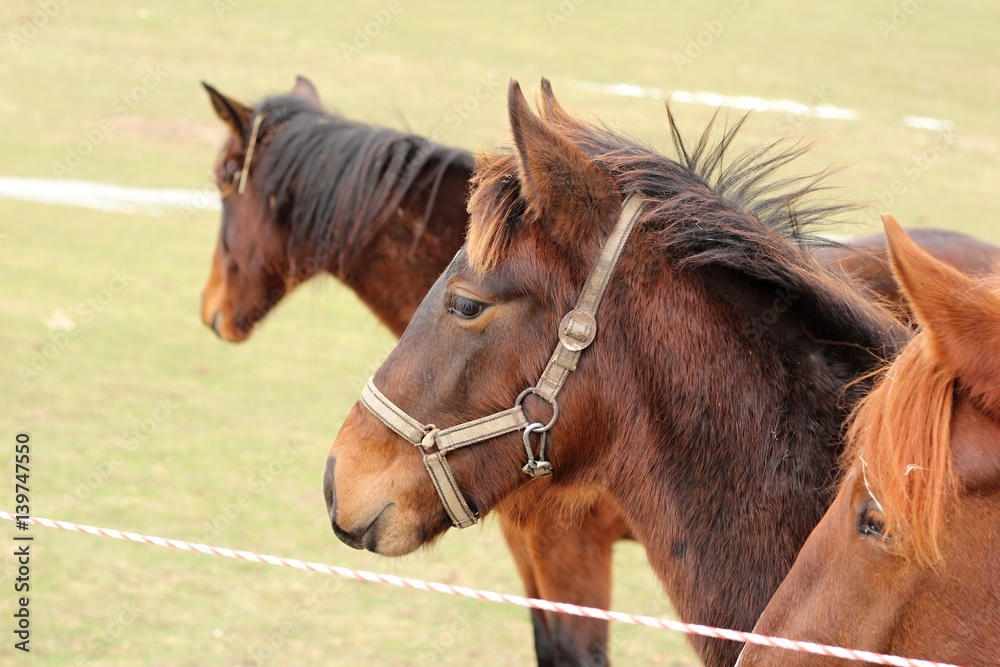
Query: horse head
point(904, 561)
point(251, 271)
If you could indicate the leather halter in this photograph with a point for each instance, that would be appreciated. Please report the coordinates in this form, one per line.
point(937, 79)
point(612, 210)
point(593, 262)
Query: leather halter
point(246, 161)
point(576, 332)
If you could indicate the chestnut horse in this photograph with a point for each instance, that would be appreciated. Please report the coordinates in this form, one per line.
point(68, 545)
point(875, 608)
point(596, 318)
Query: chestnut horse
point(709, 407)
point(383, 212)
point(907, 559)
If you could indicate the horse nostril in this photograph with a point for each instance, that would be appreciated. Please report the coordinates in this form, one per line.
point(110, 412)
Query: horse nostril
point(330, 493)
point(329, 490)
point(217, 323)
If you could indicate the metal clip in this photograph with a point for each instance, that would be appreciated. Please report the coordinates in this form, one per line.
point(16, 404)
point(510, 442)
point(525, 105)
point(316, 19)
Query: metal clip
point(539, 467)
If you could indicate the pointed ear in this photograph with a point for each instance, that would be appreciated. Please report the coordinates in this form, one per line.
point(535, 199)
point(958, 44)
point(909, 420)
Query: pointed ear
point(561, 185)
point(304, 89)
point(961, 316)
point(547, 104)
point(234, 114)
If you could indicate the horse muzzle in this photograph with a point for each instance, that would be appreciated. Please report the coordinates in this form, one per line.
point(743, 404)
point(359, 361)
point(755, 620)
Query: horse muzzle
point(364, 537)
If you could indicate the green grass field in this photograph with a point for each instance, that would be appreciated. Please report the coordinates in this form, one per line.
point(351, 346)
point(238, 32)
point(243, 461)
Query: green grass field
point(142, 420)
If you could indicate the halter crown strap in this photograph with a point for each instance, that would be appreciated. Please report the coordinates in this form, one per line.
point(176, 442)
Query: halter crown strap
point(579, 327)
point(576, 332)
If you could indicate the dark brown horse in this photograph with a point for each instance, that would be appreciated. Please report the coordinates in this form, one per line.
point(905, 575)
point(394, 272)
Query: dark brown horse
point(866, 259)
point(321, 193)
point(384, 212)
point(907, 559)
point(710, 406)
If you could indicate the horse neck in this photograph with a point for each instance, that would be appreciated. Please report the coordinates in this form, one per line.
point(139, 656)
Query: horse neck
point(392, 268)
point(392, 274)
point(745, 433)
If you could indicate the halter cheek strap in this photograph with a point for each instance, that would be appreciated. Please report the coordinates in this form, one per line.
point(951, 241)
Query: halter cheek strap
point(577, 331)
point(249, 157)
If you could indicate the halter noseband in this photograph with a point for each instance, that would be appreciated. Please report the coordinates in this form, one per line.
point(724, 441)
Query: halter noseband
point(576, 332)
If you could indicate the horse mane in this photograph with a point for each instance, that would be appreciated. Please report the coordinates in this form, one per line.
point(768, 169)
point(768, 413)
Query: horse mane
point(900, 437)
point(705, 208)
point(337, 182)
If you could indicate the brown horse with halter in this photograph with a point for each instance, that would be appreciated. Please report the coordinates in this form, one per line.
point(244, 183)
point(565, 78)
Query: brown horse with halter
point(311, 193)
point(305, 192)
point(704, 395)
point(907, 559)
point(251, 229)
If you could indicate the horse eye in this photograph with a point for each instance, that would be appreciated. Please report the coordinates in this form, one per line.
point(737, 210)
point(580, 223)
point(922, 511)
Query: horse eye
point(229, 171)
point(226, 178)
point(870, 523)
point(467, 309)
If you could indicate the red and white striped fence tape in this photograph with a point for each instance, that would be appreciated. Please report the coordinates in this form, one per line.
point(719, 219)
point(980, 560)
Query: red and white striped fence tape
point(517, 600)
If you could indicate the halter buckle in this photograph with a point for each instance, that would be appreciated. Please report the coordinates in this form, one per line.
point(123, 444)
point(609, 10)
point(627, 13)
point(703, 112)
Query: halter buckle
point(577, 330)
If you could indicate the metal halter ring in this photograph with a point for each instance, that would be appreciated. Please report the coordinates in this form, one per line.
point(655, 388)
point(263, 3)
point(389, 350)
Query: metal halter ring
point(552, 402)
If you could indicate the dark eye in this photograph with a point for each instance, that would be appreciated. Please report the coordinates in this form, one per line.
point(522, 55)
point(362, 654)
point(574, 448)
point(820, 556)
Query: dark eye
point(227, 176)
point(465, 308)
point(871, 523)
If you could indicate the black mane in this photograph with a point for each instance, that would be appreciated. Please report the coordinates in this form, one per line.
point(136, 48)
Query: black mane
point(337, 181)
point(709, 208)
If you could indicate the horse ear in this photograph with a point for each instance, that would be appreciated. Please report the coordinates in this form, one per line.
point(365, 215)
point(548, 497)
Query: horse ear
point(234, 114)
point(550, 109)
point(304, 89)
point(961, 316)
point(561, 185)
